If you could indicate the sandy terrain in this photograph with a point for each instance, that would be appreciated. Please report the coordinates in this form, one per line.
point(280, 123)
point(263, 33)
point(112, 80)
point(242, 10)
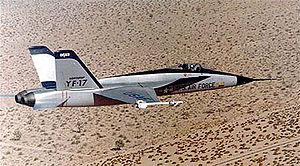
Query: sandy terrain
point(254, 123)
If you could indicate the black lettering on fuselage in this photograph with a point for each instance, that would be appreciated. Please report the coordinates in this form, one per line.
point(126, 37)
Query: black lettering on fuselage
point(76, 82)
point(82, 82)
point(193, 86)
point(68, 83)
point(75, 78)
point(207, 85)
point(200, 86)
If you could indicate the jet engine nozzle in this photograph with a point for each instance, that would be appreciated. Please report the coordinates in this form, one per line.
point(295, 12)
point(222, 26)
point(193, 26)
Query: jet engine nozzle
point(26, 99)
point(19, 96)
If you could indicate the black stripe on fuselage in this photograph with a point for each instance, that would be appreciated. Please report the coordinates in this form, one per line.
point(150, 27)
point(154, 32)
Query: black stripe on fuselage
point(168, 70)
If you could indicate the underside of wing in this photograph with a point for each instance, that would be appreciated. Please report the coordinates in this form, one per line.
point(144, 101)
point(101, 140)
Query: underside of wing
point(130, 95)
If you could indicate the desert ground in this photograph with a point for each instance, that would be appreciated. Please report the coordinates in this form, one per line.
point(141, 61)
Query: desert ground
point(252, 124)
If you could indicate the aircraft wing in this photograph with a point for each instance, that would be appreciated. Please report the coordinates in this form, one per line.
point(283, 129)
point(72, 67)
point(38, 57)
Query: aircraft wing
point(131, 95)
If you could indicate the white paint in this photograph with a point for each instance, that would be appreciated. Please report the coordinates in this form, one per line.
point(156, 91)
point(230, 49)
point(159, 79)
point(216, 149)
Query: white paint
point(143, 105)
point(45, 66)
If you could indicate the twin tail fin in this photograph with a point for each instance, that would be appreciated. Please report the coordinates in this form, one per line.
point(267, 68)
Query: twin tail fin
point(62, 70)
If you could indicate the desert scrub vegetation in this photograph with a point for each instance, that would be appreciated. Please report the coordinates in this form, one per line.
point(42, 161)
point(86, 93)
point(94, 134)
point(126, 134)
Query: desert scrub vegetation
point(30, 119)
point(79, 127)
point(186, 115)
point(17, 135)
point(119, 144)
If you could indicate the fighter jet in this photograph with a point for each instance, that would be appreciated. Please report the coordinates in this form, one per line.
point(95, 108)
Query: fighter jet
point(67, 82)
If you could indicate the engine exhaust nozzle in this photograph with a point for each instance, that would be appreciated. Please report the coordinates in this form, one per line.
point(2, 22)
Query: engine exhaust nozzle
point(25, 98)
point(19, 96)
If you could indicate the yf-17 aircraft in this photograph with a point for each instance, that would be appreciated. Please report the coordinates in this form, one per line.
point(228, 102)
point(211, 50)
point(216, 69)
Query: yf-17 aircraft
point(67, 82)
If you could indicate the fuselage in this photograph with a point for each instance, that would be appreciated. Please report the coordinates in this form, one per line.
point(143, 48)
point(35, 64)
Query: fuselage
point(168, 83)
point(163, 81)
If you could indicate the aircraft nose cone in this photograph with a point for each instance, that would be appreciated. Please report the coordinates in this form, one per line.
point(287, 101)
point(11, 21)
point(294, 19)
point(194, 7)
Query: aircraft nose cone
point(243, 80)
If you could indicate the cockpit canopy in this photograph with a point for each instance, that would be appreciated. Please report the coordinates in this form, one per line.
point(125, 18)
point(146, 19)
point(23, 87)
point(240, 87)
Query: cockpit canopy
point(188, 66)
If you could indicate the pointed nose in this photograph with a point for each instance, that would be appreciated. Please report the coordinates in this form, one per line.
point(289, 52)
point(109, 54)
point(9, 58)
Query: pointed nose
point(243, 80)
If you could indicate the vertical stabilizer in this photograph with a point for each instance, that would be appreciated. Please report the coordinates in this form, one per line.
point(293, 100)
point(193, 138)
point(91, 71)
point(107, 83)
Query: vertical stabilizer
point(71, 72)
point(44, 62)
